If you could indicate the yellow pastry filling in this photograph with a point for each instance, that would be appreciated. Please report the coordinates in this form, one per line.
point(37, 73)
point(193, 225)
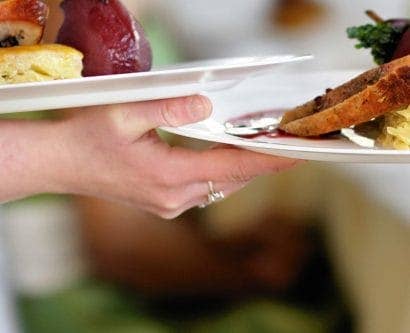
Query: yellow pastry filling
point(396, 130)
point(37, 63)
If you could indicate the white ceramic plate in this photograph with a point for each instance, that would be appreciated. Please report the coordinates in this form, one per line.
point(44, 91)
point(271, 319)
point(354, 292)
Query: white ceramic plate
point(173, 81)
point(284, 90)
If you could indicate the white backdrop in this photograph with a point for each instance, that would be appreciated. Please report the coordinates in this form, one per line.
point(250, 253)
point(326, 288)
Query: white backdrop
point(216, 28)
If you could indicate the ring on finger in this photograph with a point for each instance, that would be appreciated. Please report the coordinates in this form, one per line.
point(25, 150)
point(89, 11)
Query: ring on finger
point(213, 196)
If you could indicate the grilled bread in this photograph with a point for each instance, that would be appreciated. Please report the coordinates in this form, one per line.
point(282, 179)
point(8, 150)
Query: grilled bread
point(373, 93)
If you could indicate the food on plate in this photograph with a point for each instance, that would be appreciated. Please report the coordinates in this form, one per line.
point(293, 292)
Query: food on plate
point(22, 22)
point(373, 93)
point(396, 130)
point(111, 39)
point(22, 59)
point(39, 63)
point(381, 94)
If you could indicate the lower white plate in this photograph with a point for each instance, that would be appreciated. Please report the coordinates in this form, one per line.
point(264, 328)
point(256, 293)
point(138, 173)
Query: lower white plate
point(278, 91)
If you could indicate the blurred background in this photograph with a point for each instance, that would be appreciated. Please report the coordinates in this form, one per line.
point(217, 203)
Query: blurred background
point(322, 248)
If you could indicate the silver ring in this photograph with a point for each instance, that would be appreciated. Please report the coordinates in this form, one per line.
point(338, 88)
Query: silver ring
point(213, 196)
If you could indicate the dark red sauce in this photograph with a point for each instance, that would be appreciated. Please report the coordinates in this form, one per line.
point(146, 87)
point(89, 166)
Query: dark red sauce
point(246, 118)
point(277, 133)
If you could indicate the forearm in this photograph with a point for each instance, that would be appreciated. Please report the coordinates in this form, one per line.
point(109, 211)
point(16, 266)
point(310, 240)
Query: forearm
point(30, 155)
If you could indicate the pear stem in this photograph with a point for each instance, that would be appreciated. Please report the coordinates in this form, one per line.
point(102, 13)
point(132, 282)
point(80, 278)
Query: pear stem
point(376, 18)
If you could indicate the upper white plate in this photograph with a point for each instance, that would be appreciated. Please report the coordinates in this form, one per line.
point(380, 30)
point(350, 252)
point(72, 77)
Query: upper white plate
point(173, 81)
point(278, 91)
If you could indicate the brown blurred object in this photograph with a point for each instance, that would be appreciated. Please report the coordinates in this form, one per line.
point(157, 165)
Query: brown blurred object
point(296, 14)
point(160, 258)
point(55, 19)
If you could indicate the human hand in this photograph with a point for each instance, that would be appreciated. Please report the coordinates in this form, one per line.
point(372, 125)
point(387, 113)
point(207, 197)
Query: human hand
point(113, 152)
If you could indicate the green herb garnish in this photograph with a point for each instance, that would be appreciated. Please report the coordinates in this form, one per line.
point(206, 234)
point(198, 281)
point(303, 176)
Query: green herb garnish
point(382, 38)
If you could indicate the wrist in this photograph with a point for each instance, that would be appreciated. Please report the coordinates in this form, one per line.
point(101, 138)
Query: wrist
point(65, 150)
point(32, 158)
point(74, 153)
point(56, 170)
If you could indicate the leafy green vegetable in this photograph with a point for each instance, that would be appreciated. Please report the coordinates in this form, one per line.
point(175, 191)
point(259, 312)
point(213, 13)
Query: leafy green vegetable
point(382, 38)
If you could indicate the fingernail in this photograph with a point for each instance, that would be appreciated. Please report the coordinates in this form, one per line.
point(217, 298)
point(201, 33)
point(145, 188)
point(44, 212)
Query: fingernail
point(201, 107)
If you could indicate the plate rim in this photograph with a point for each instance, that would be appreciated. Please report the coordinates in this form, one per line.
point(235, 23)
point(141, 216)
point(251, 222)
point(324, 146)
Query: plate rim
point(259, 61)
point(231, 140)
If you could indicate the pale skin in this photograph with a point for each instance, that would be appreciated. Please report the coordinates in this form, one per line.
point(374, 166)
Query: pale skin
point(113, 152)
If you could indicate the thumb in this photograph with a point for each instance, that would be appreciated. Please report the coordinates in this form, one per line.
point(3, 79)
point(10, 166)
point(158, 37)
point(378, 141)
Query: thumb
point(173, 112)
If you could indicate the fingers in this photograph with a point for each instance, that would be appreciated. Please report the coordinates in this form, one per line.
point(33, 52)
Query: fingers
point(240, 165)
point(169, 112)
point(231, 165)
point(183, 198)
point(186, 175)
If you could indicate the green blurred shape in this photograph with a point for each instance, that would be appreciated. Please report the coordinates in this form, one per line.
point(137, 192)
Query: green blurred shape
point(164, 48)
point(91, 308)
point(40, 198)
point(100, 308)
point(266, 317)
point(37, 115)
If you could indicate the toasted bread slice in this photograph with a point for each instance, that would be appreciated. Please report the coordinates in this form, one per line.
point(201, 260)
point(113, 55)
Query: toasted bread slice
point(373, 93)
point(39, 63)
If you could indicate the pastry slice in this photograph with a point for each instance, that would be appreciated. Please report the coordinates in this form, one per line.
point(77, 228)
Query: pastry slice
point(39, 63)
